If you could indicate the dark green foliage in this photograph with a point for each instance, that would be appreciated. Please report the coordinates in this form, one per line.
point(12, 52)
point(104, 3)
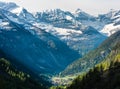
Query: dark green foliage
point(11, 78)
point(57, 87)
point(96, 79)
point(105, 75)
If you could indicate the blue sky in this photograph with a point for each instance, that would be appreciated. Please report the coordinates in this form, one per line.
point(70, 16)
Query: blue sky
point(93, 7)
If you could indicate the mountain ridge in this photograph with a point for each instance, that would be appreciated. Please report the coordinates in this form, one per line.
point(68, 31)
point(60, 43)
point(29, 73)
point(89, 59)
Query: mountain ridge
point(94, 57)
point(51, 28)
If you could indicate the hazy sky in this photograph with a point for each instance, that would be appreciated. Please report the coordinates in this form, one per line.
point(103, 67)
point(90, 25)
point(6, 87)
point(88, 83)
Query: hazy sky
point(93, 7)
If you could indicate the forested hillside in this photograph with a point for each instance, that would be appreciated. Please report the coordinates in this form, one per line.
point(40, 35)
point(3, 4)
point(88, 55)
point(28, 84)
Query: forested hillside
point(12, 78)
point(94, 57)
point(105, 75)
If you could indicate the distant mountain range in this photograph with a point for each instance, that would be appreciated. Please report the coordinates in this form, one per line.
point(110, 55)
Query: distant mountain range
point(47, 42)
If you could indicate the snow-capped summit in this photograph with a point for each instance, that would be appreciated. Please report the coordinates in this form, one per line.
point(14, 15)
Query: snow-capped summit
point(88, 20)
point(59, 18)
point(112, 20)
point(17, 10)
point(112, 16)
point(8, 6)
point(11, 7)
point(81, 15)
point(51, 15)
point(78, 11)
point(21, 40)
point(52, 36)
point(27, 16)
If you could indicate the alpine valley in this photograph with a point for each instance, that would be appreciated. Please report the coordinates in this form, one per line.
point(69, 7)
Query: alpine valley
point(42, 49)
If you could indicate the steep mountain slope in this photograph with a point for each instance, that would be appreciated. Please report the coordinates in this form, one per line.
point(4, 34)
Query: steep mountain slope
point(69, 30)
point(24, 42)
point(98, 78)
point(105, 23)
point(93, 57)
point(27, 16)
point(65, 19)
point(68, 27)
point(73, 30)
point(88, 20)
point(64, 25)
point(12, 78)
point(112, 20)
point(59, 18)
point(105, 75)
point(8, 6)
point(82, 40)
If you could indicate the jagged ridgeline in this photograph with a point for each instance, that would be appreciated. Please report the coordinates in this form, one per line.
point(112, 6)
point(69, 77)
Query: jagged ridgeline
point(44, 43)
point(12, 78)
point(94, 57)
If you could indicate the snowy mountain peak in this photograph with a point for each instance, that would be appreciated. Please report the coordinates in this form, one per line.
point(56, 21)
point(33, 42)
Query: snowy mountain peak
point(24, 14)
point(17, 10)
point(78, 11)
point(11, 7)
point(24, 10)
point(113, 13)
point(58, 10)
point(113, 22)
point(8, 6)
point(52, 11)
point(111, 16)
point(81, 15)
point(52, 37)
